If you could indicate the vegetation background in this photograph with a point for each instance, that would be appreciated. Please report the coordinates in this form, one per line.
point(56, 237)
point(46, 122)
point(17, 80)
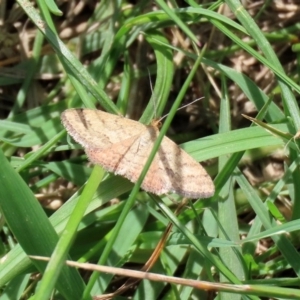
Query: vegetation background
point(241, 57)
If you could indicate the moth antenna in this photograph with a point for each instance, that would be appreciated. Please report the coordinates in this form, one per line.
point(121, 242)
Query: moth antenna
point(198, 99)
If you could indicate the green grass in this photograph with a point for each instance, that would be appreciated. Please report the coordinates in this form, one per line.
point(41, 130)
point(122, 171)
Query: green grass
point(205, 243)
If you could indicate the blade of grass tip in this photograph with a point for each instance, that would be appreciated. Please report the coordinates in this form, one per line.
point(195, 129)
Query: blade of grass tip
point(53, 7)
point(285, 136)
point(61, 250)
point(135, 190)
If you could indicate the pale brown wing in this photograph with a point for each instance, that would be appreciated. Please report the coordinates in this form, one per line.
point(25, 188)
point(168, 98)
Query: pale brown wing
point(98, 129)
point(128, 157)
point(182, 174)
